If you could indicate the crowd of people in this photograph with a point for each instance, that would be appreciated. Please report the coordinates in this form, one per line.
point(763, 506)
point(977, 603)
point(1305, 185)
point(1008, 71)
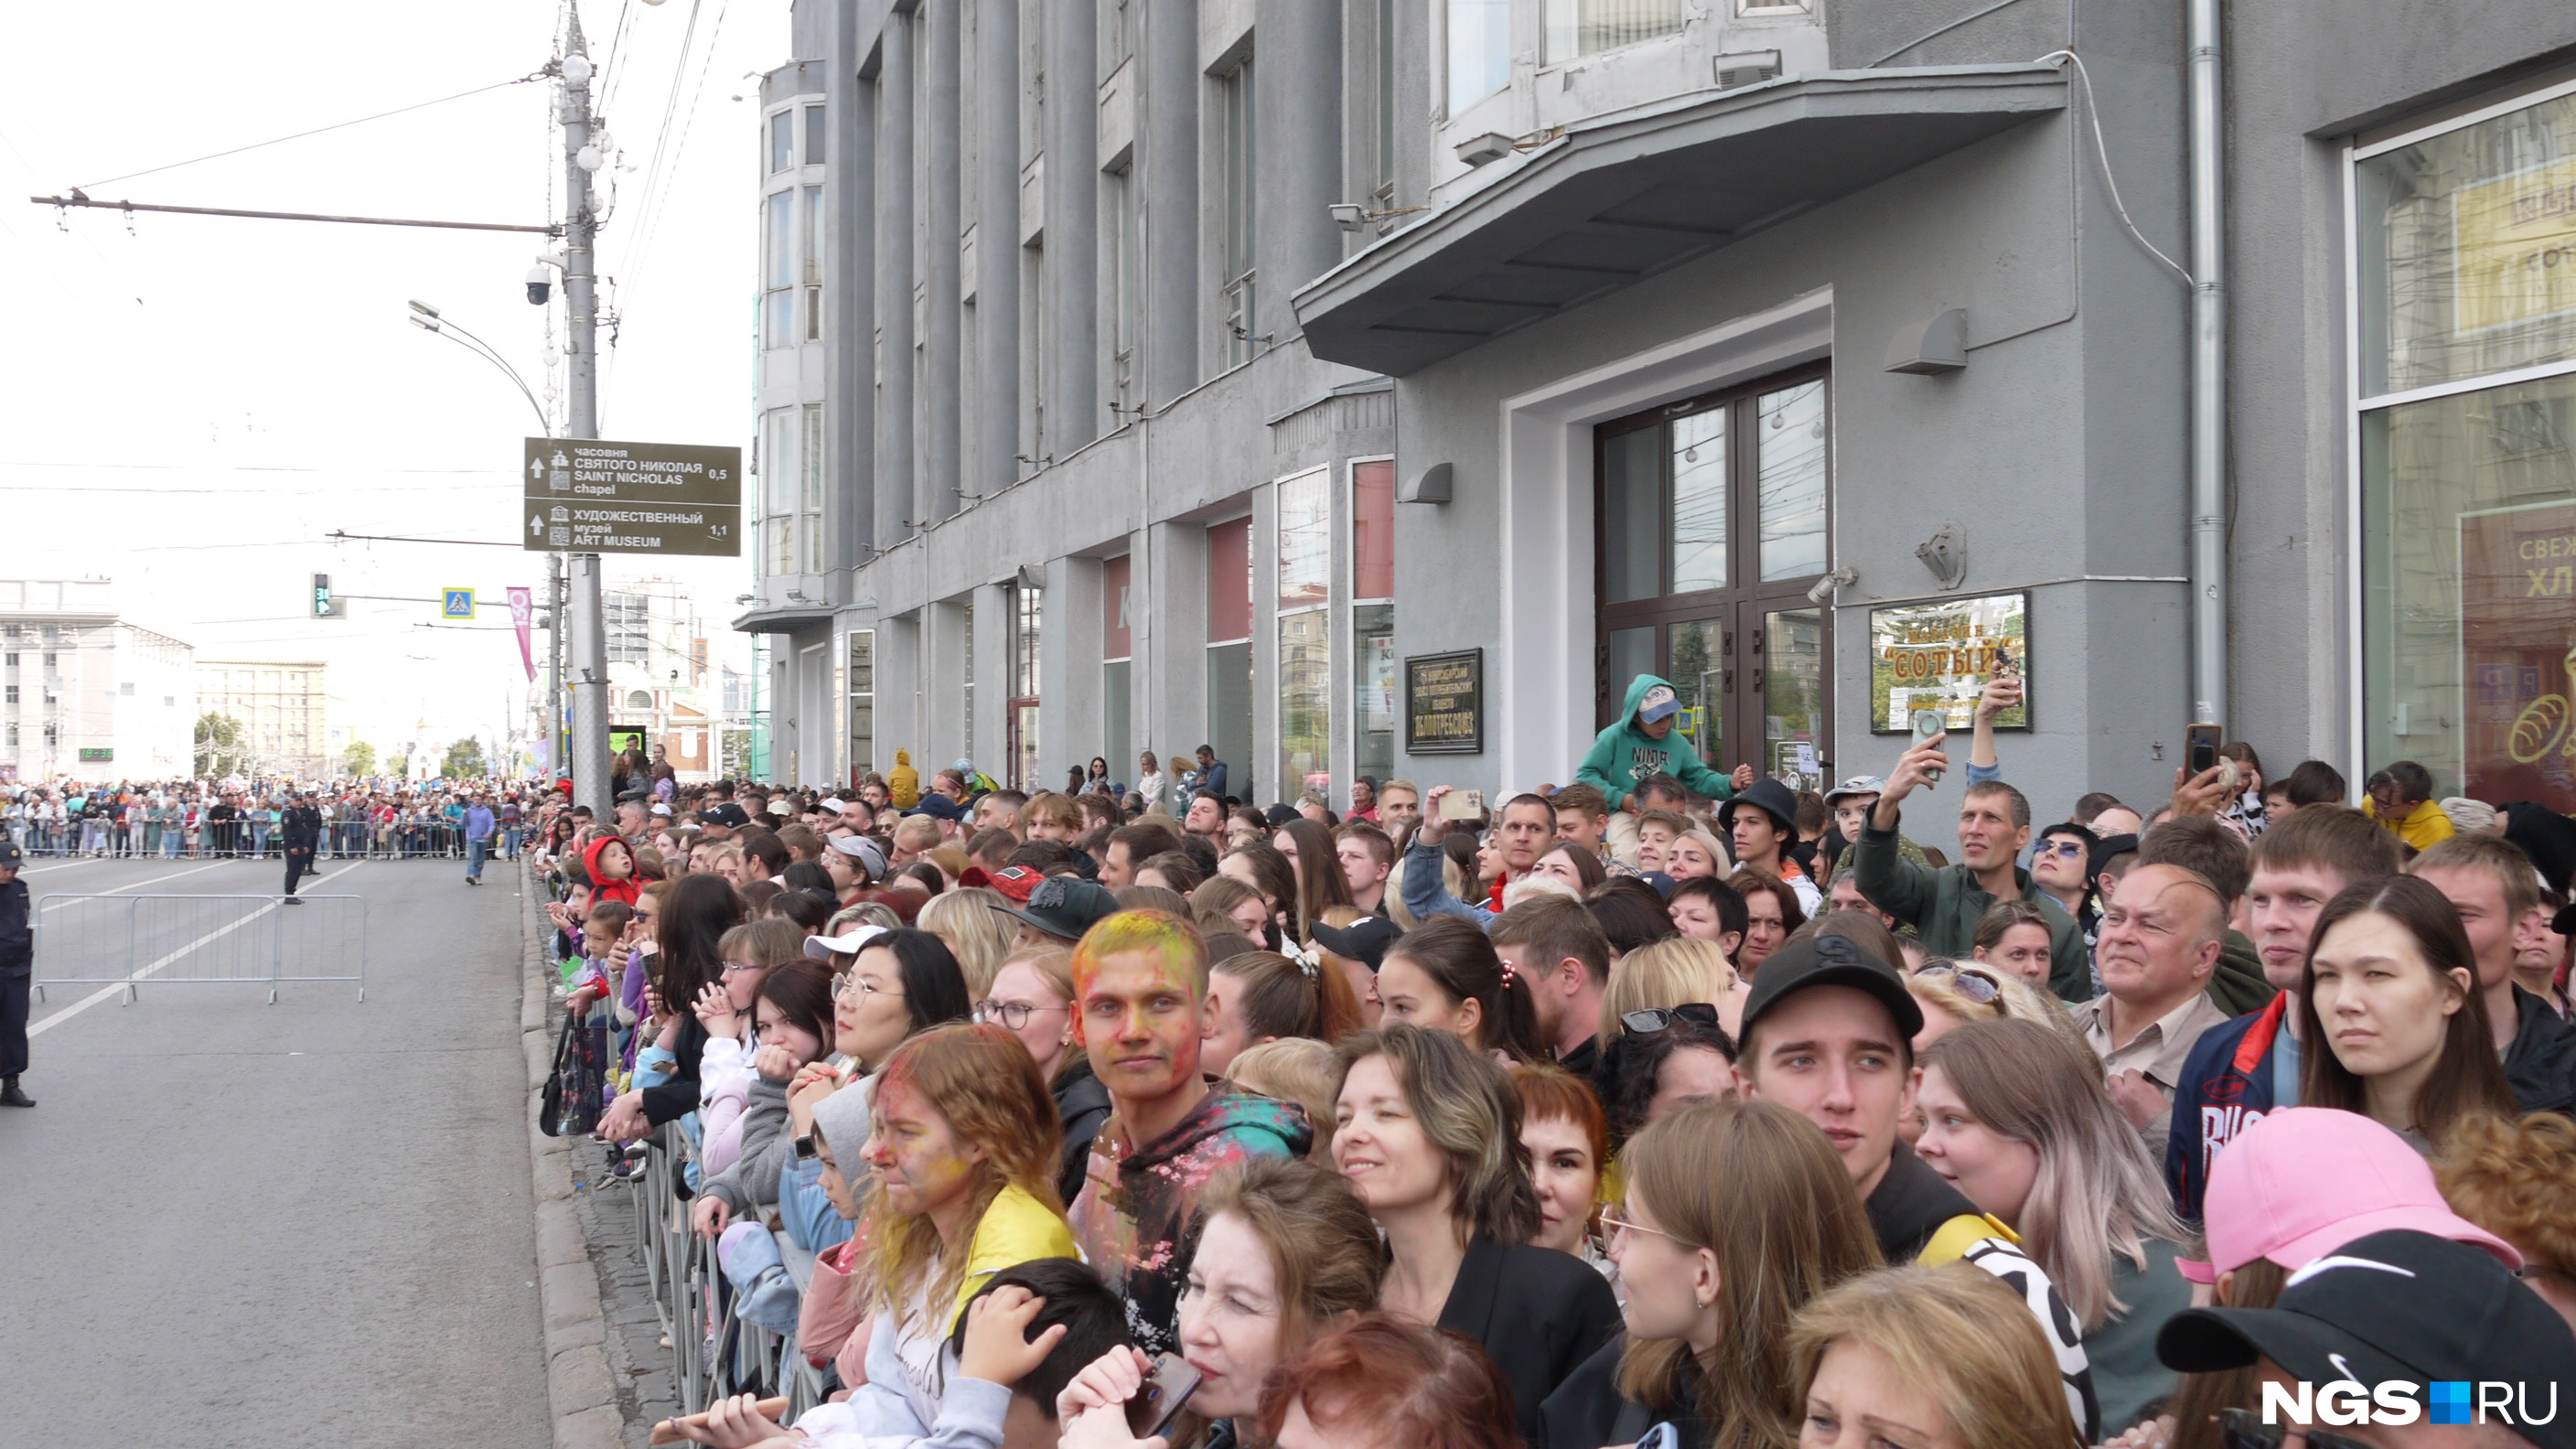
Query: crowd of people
point(247, 819)
point(1665, 1106)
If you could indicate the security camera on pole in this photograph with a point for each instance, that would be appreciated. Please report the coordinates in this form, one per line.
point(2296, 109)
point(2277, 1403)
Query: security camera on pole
point(588, 681)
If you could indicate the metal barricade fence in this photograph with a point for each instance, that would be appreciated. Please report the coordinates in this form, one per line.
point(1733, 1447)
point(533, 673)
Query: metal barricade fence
point(198, 940)
point(714, 1353)
point(340, 840)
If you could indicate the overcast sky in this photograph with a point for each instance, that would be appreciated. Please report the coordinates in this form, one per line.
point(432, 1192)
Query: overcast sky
point(189, 406)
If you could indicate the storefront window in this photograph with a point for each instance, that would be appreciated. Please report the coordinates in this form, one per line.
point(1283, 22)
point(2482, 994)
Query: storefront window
point(2467, 289)
point(1116, 648)
point(1305, 632)
point(1229, 653)
point(861, 681)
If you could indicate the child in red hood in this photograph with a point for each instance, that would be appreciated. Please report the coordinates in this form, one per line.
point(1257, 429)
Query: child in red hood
point(611, 864)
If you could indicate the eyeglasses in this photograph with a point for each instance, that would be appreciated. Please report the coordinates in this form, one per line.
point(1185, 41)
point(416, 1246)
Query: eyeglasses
point(1650, 1019)
point(1012, 1014)
point(2241, 1429)
point(854, 988)
point(1615, 1220)
point(1977, 986)
point(2060, 847)
point(734, 966)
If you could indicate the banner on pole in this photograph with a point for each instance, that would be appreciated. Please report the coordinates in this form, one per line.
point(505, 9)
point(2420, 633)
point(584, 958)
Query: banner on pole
point(523, 611)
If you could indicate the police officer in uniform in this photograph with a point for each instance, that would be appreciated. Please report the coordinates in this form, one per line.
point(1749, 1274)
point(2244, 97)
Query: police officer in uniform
point(300, 830)
point(17, 970)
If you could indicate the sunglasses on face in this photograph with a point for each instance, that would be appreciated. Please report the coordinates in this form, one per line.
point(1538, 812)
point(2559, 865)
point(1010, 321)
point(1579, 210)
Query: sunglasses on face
point(1645, 1021)
point(2242, 1429)
point(2072, 849)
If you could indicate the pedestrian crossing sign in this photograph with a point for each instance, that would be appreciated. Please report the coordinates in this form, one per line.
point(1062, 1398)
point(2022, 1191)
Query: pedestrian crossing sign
point(459, 604)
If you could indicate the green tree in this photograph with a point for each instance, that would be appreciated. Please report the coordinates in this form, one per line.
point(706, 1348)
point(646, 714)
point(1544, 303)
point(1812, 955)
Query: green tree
point(464, 760)
point(219, 747)
point(361, 759)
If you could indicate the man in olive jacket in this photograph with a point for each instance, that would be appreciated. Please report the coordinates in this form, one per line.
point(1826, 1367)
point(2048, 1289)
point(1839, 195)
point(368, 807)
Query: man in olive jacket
point(1943, 904)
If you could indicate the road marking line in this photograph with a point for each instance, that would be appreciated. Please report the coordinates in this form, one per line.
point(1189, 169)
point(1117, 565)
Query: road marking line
point(138, 885)
point(116, 988)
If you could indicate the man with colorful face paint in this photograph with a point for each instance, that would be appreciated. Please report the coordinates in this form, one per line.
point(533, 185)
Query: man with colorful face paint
point(1140, 1001)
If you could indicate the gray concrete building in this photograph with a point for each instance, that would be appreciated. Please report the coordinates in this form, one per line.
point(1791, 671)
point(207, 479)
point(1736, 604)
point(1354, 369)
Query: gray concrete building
point(1377, 386)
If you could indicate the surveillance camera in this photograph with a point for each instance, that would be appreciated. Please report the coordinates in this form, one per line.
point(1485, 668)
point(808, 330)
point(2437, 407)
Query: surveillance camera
point(1349, 216)
point(540, 282)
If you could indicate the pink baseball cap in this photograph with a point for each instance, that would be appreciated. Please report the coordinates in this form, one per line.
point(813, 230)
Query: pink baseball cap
point(2304, 1181)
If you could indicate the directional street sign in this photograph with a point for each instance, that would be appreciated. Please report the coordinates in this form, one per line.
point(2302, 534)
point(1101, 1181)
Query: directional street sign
point(590, 495)
point(458, 604)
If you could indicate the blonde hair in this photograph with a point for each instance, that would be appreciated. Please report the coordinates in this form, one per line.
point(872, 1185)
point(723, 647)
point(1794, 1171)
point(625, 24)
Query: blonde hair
point(983, 1081)
point(949, 859)
point(1533, 887)
point(1323, 1245)
point(1295, 1069)
point(1958, 1332)
point(1756, 1185)
point(1054, 965)
point(2516, 1178)
point(1668, 972)
point(978, 935)
point(2098, 1194)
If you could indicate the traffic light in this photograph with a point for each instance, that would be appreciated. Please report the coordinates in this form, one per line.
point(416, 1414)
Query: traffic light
point(324, 605)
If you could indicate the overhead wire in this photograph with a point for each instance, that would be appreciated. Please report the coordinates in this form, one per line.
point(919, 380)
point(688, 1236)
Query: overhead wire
point(316, 131)
point(651, 225)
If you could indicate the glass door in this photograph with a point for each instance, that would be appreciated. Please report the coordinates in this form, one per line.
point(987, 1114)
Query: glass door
point(1712, 525)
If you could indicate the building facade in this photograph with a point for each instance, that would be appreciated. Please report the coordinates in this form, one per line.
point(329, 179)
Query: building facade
point(660, 678)
point(89, 696)
point(280, 705)
point(1378, 386)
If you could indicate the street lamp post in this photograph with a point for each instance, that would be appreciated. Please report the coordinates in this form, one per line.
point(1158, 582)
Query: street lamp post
point(589, 681)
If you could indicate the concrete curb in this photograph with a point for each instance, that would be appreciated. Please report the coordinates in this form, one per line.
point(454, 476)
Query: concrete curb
point(578, 1387)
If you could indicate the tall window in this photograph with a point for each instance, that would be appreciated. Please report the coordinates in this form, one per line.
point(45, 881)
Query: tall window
point(1117, 646)
point(862, 684)
point(1235, 287)
point(1374, 699)
point(2466, 336)
point(1126, 292)
point(1305, 632)
point(1712, 526)
point(1028, 620)
point(782, 140)
point(1386, 62)
point(779, 270)
point(1229, 651)
point(629, 618)
point(814, 135)
point(809, 526)
point(813, 262)
point(778, 493)
point(1585, 27)
point(1480, 50)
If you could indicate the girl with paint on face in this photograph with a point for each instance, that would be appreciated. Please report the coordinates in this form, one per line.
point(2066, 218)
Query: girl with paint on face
point(1286, 1254)
point(964, 1149)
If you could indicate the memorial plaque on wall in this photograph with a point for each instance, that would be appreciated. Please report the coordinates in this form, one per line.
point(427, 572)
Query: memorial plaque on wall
point(1444, 703)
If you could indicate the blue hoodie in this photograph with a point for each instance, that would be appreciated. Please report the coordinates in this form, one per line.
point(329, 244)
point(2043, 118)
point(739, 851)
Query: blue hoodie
point(1625, 753)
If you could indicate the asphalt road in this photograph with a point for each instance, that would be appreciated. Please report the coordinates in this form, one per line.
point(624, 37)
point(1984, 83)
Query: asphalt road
point(235, 1223)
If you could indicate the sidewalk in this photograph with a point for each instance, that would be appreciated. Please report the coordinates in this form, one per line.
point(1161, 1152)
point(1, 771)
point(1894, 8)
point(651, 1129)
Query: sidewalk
point(608, 1368)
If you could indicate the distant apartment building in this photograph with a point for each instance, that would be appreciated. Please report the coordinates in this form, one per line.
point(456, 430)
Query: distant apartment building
point(279, 705)
point(659, 675)
point(89, 696)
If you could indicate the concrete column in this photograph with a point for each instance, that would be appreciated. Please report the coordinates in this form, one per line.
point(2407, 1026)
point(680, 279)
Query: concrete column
point(1168, 169)
point(1297, 134)
point(940, 359)
point(898, 513)
point(944, 645)
point(899, 689)
point(1072, 225)
point(849, 299)
point(997, 245)
point(992, 650)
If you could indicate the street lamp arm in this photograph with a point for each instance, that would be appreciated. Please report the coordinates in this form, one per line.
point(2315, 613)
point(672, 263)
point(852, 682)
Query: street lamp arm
point(445, 328)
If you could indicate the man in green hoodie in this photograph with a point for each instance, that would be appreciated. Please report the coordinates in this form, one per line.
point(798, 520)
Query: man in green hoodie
point(1645, 742)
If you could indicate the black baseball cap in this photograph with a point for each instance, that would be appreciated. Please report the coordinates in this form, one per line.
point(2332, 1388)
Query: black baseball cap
point(2399, 1305)
point(1364, 940)
point(727, 814)
point(10, 855)
point(1065, 906)
point(1829, 961)
point(938, 807)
